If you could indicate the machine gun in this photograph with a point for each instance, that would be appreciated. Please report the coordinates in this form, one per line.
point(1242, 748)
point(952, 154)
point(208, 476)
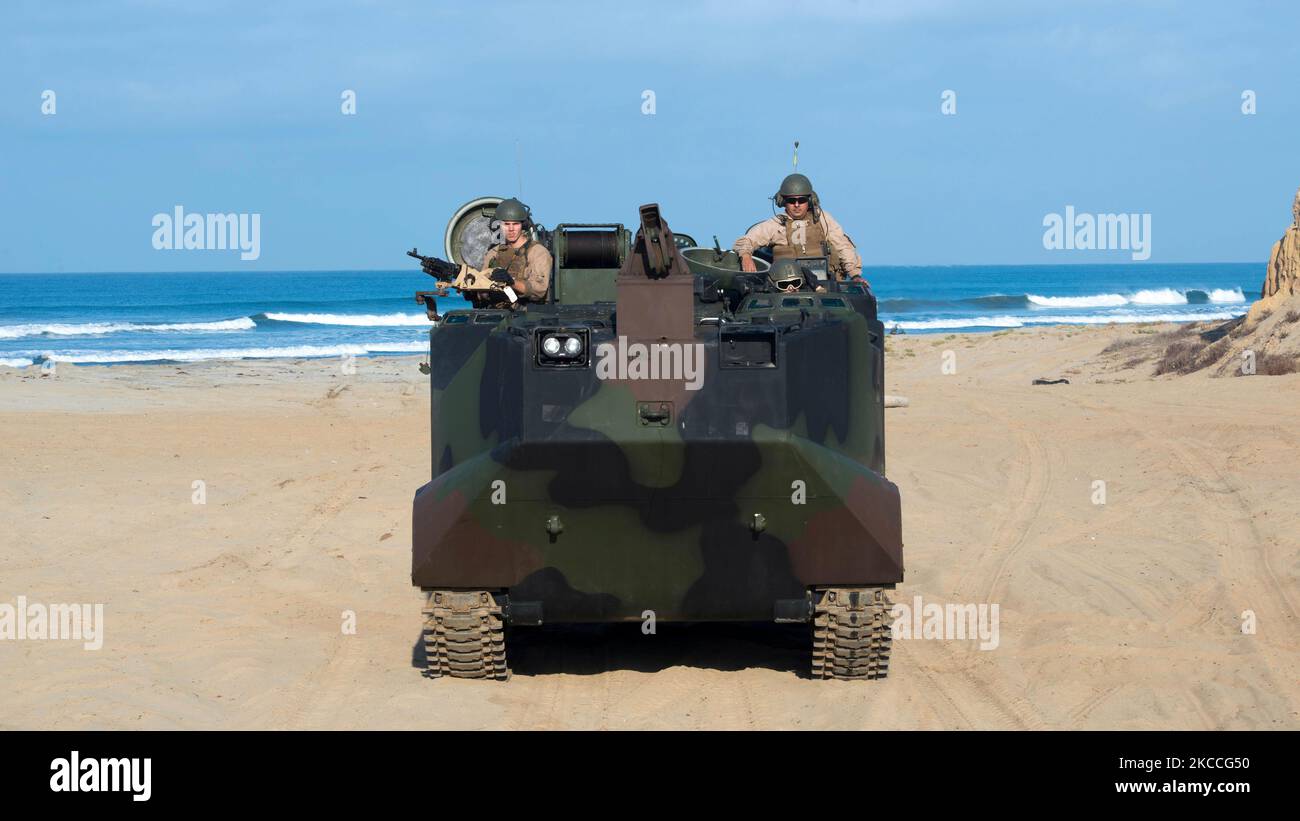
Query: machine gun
point(439, 269)
point(483, 289)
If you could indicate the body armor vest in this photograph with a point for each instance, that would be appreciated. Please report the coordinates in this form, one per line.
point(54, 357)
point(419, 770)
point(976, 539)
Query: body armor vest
point(815, 244)
point(514, 260)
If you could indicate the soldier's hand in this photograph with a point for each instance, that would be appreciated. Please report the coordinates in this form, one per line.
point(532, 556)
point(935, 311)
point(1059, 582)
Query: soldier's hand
point(747, 264)
point(502, 276)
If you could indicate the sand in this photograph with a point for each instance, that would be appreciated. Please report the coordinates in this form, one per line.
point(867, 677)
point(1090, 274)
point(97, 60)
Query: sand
point(229, 614)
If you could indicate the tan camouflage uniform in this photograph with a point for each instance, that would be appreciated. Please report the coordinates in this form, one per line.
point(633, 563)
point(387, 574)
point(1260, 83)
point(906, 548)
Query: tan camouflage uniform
point(804, 238)
point(529, 263)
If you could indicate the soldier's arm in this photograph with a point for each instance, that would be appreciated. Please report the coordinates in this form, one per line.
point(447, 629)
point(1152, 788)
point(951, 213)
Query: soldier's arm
point(760, 236)
point(850, 262)
point(537, 275)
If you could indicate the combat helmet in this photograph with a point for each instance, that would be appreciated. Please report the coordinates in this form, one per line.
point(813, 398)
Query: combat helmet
point(512, 210)
point(795, 185)
point(785, 275)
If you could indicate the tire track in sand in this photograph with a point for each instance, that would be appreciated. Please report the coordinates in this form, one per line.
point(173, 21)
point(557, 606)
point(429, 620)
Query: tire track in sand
point(990, 695)
point(1245, 548)
point(1214, 480)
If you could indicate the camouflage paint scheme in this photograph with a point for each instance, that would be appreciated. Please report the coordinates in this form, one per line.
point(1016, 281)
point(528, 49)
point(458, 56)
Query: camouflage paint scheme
point(661, 517)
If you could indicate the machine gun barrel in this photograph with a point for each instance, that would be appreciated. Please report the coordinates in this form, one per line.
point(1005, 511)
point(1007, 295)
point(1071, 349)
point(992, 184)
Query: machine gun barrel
point(439, 269)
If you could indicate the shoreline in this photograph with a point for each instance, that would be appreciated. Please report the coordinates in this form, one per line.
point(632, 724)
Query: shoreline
point(1062, 327)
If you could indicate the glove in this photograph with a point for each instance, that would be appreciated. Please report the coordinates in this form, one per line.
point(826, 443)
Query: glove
point(502, 276)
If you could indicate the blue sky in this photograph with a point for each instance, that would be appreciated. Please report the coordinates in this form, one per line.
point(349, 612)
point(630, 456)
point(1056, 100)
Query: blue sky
point(235, 107)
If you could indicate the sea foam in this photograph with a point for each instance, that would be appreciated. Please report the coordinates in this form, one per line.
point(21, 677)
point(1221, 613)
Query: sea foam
point(99, 328)
point(1095, 301)
point(1224, 296)
point(1159, 296)
point(359, 320)
point(1065, 319)
point(200, 354)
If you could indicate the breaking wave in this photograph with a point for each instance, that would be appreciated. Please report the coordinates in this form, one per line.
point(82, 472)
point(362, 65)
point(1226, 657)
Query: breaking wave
point(201, 354)
point(359, 320)
point(1160, 296)
point(1097, 301)
point(97, 328)
point(1064, 319)
point(1225, 296)
point(1011, 302)
point(243, 323)
point(1151, 296)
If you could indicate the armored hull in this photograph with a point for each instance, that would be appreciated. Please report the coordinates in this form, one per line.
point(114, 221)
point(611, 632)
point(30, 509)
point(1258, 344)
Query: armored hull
point(709, 452)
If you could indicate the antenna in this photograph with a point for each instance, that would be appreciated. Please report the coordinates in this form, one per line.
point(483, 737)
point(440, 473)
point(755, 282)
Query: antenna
point(796, 155)
point(519, 168)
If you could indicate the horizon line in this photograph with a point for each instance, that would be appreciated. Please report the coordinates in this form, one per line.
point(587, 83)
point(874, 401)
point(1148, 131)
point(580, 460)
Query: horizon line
point(866, 268)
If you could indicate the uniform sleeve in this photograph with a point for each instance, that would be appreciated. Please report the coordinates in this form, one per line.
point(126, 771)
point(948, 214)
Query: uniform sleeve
point(850, 262)
point(487, 259)
point(537, 274)
point(760, 236)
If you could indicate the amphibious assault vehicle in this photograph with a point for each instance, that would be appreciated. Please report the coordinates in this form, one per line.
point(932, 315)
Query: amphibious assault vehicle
point(666, 437)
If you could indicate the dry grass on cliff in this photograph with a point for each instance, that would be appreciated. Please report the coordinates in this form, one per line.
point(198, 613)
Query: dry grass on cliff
point(1216, 348)
point(1148, 338)
point(1191, 355)
point(1273, 365)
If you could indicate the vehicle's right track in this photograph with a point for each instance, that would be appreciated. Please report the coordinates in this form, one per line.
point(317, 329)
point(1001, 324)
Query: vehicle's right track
point(851, 633)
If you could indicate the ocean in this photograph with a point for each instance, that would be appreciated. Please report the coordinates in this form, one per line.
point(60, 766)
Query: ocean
point(187, 317)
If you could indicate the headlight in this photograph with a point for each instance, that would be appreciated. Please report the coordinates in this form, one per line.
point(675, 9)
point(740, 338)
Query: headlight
point(562, 347)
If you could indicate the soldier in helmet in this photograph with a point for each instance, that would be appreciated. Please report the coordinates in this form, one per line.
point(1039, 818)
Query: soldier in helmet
point(787, 276)
point(525, 262)
point(804, 230)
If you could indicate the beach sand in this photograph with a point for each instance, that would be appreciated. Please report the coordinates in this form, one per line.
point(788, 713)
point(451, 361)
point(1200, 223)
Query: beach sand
point(228, 614)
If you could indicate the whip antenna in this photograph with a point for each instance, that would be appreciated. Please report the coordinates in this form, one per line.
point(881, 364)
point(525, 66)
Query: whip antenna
point(519, 168)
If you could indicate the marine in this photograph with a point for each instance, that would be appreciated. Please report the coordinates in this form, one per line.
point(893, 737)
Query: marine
point(804, 230)
point(787, 276)
point(526, 261)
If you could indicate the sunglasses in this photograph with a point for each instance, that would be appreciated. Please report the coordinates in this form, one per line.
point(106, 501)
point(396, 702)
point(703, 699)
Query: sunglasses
point(795, 200)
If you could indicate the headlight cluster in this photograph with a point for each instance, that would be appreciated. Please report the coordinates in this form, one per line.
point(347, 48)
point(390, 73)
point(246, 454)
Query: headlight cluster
point(562, 348)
